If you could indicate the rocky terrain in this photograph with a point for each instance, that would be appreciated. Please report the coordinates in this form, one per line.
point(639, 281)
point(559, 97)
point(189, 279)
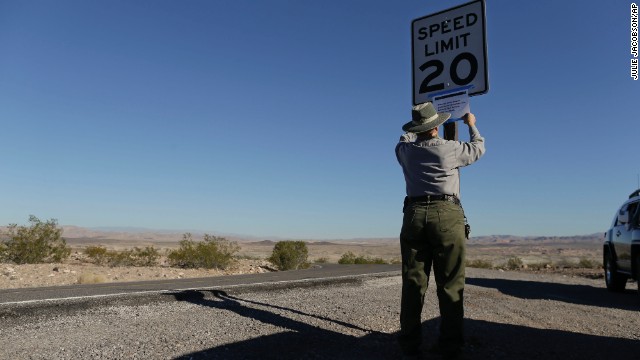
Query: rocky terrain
point(76, 272)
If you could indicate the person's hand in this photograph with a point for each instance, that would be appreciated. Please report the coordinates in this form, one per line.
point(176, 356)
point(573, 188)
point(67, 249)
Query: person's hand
point(469, 119)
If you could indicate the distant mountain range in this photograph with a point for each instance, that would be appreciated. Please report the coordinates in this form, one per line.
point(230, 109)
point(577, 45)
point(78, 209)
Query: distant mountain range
point(511, 239)
point(148, 235)
point(130, 234)
point(134, 235)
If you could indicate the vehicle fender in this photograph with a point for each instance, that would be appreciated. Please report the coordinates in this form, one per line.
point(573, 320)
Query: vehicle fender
point(608, 247)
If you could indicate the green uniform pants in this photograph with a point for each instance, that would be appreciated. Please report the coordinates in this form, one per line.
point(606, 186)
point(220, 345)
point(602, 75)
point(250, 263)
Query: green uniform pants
point(432, 234)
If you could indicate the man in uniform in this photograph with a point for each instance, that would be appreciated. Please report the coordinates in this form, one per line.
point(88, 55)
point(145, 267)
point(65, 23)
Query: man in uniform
point(434, 227)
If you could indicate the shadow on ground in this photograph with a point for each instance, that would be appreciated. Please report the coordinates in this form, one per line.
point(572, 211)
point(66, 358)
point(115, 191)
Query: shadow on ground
point(297, 340)
point(488, 340)
point(574, 294)
point(485, 340)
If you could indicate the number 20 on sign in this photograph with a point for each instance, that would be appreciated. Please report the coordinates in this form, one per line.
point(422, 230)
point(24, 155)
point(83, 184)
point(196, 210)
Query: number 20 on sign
point(449, 50)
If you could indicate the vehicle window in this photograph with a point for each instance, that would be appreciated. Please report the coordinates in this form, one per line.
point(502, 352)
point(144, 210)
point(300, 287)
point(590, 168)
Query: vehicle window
point(634, 213)
point(632, 209)
point(622, 211)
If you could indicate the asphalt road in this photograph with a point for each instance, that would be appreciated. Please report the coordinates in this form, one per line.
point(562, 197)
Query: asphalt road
point(326, 272)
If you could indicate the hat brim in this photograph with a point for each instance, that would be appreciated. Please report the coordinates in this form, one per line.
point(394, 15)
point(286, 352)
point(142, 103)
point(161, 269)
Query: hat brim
point(418, 128)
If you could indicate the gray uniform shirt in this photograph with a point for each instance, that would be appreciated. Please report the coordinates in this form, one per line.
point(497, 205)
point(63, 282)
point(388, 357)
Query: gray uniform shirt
point(431, 166)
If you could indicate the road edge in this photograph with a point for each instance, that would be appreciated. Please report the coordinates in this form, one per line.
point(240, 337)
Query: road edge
point(71, 305)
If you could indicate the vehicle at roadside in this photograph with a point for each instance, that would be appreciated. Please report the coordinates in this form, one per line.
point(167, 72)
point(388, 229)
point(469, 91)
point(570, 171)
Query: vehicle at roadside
point(621, 247)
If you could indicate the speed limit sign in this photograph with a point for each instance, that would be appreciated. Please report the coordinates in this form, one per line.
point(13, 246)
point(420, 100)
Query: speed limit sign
point(449, 50)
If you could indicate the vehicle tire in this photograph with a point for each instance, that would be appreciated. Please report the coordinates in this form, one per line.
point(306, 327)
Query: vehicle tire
point(615, 281)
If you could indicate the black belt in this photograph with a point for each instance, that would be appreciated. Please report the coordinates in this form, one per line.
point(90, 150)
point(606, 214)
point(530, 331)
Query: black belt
point(430, 198)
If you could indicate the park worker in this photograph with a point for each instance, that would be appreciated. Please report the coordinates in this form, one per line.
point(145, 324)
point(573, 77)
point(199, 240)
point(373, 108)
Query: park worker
point(434, 227)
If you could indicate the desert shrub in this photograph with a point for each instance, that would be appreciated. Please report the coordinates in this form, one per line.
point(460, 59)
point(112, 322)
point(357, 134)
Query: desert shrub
point(40, 242)
point(146, 257)
point(351, 258)
point(129, 257)
point(347, 258)
point(588, 264)
point(97, 254)
point(369, 260)
point(514, 263)
point(540, 265)
point(322, 260)
point(133, 257)
point(565, 264)
point(480, 264)
point(212, 252)
point(120, 258)
point(290, 255)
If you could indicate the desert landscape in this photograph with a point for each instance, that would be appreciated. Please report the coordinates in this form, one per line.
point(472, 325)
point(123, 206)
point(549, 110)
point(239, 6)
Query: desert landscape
point(554, 290)
point(573, 256)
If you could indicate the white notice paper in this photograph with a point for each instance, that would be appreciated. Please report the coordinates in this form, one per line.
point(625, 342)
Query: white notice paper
point(454, 101)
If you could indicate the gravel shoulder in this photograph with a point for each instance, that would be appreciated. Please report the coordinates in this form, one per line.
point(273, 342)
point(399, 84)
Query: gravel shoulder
point(509, 315)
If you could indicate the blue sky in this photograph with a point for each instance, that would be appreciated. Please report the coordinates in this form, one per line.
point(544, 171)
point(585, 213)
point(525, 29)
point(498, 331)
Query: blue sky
point(279, 118)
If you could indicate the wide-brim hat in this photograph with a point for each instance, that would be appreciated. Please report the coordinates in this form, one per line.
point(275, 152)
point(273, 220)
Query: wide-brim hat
point(425, 118)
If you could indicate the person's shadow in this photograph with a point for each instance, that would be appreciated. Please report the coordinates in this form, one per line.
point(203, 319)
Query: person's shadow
point(485, 340)
point(298, 340)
